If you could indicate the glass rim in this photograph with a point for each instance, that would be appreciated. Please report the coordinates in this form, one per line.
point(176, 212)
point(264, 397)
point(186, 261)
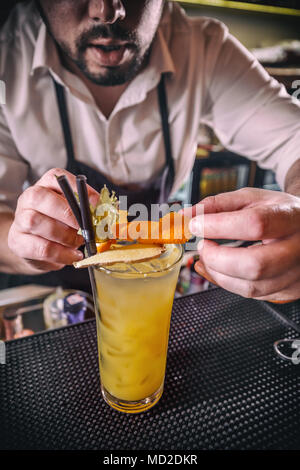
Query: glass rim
point(107, 270)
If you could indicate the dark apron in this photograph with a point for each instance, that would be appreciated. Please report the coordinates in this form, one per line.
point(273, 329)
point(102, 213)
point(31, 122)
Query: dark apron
point(152, 192)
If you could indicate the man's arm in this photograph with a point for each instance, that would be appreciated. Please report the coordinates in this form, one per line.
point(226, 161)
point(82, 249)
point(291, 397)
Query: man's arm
point(13, 174)
point(38, 232)
point(253, 116)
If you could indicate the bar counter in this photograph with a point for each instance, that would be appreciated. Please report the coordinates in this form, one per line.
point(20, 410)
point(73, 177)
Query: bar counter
point(225, 387)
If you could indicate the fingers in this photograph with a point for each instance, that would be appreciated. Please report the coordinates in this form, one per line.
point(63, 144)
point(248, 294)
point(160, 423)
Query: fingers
point(255, 262)
point(35, 223)
point(258, 223)
point(49, 180)
point(252, 289)
point(247, 214)
point(44, 230)
point(240, 199)
point(32, 247)
point(270, 270)
point(46, 202)
point(41, 267)
point(224, 202)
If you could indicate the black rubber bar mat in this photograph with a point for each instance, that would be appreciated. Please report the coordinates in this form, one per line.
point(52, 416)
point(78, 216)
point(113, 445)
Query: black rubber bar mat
point(225, 387)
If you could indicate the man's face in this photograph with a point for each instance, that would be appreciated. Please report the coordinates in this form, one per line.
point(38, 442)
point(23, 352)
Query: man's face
point(107, 39)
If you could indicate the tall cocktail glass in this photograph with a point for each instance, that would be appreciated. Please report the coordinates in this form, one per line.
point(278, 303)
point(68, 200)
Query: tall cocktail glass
point(134, 305)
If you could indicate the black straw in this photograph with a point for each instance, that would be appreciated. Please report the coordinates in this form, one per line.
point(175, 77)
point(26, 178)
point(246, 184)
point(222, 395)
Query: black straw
point(70, 197)
point(87, 222)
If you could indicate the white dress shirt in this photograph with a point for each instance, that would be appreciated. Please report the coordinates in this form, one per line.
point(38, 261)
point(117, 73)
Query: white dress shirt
point(212, 79)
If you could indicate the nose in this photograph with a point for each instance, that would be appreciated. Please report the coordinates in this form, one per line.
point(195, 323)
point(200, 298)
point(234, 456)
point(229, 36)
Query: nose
point(106, 11)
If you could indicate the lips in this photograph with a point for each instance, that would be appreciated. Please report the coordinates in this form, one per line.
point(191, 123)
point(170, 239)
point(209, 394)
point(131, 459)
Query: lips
point(108, 54)
point(107, 42)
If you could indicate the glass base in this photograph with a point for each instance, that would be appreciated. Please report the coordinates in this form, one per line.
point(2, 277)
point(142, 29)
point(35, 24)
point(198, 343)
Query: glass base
point(132, 406)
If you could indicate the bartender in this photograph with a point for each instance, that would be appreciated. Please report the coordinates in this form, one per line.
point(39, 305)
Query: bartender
point(117, 90)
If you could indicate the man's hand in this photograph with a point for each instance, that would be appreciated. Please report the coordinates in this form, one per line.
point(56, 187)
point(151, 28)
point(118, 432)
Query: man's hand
point(44, 231)
point(267, 271)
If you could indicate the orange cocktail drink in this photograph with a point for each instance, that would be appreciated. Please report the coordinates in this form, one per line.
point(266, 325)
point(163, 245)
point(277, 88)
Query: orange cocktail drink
point(133, 320)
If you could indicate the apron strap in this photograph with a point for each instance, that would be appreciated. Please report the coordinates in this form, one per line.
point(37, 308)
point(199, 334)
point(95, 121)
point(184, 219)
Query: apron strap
point(65, 122)
point(169, 171)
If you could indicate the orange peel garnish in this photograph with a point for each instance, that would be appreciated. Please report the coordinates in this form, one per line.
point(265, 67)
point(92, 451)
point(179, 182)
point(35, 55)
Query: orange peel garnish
point(172, 228)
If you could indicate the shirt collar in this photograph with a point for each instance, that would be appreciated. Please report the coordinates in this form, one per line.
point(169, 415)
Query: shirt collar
point(45, 52)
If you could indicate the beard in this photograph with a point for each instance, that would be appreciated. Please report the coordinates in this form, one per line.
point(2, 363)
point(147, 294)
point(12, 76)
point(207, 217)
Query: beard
point(112, 76)
point(108, 76)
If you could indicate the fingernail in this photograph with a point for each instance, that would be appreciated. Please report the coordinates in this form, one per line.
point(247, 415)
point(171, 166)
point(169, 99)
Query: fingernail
point(195, 226)
point(200, 268)
point(78, 255)
point(202, 271)
point(200, 265)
